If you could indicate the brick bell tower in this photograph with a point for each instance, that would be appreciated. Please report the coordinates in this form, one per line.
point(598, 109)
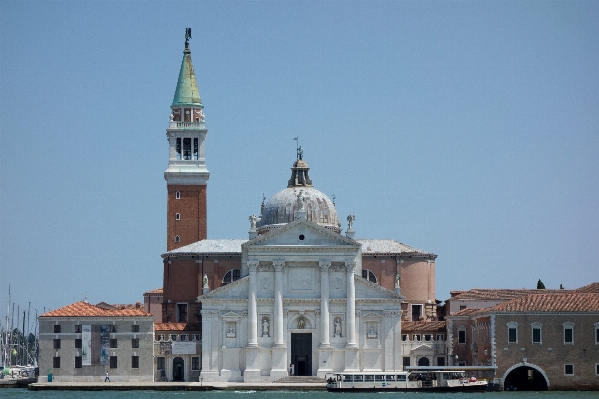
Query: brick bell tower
point(186, 176)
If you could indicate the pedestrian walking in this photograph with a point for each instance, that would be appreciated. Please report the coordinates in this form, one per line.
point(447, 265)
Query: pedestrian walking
point(107, 377)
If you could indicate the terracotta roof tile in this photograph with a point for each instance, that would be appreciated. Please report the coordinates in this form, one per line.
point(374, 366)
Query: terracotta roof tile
point(156, 291)
point(430, 326)
point(84, 309)
point(593, 287)
point(177, 327)
point(466, 312)
point(561, 302)
point(500, 294)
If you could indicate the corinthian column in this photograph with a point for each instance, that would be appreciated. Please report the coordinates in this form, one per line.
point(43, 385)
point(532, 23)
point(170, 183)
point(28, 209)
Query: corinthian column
point(350, 316)
point(278, 313)
point(252, 310)
point(324, 303)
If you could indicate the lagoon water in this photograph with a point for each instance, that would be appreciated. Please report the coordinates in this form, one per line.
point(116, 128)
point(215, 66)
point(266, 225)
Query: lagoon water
point(14, 393)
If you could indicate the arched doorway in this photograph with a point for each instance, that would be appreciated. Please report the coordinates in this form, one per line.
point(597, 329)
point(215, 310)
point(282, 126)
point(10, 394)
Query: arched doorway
point(178, 368)
point(424, 361)
point(525, 378)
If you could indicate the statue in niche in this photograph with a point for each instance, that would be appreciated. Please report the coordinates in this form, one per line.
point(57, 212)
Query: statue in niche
point(301, 322)
point(371, 332)
point(265, 327)
point(337, 328)
point(205, 281)
point(172, 117)
point(253, 222)
point(397, 279)
point(231, 332)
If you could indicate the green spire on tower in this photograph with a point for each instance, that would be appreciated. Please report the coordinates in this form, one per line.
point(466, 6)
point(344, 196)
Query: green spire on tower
point(187, 92)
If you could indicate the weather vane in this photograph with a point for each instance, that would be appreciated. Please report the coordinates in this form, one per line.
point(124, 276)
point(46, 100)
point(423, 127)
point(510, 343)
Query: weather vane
point(187, 36)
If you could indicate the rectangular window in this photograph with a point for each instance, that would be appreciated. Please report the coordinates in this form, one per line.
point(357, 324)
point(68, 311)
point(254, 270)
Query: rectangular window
point(462, 307)
point(78, 328)
point(597, 369)
point(597, 334)
point(416, 312)
point(135, 342)
point(404, 337)
point(113, 343)
point(56, 328)
point(462, 337)
point(536, 335)
point(181, 312)
point(512, 336)
point(78, 343)
point(406, 361)
point(178, 195)
point(160, 337)
point(568, 369)
point(113, 328)
point(196, 337)
point(56, 344)
point(135, 328)
point(113, 362)
point(78, 362)
point(184, 337)
point(134, 362)
point(428, 337)
point(441, 361)
point(56, 362)
point(440, 337)
point(416, 337)
point(173, 337)
point(160, 363)
point(568, 335)
point(195, 363)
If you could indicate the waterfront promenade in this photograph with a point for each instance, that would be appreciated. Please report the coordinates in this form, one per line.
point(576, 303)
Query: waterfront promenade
point(178, 386)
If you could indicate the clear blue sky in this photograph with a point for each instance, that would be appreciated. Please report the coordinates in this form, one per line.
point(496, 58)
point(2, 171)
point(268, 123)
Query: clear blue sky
point(467, 129)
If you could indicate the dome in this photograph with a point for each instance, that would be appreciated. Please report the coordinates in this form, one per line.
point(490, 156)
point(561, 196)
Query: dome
point(283, 207)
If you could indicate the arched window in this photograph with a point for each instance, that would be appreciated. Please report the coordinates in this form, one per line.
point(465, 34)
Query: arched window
point(231, 276)
point(177, 216)
point(178, 195)
point(177, 239)
point(368, 275)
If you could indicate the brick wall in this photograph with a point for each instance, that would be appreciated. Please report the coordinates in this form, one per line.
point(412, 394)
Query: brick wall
point(191, 206)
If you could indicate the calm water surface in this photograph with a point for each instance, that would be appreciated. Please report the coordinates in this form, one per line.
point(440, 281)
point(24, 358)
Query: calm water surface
point(13, 393)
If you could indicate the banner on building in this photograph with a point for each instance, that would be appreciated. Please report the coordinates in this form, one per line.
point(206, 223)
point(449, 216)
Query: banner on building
point(184, 348)
point(86, 345)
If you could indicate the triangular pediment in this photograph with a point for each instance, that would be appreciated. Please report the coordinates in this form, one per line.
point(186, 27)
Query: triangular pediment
point(423, 349)
point(366, 289)
point(235, 290)
point(302, 232)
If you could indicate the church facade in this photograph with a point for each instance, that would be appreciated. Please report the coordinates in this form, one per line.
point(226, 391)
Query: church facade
point(296, 296)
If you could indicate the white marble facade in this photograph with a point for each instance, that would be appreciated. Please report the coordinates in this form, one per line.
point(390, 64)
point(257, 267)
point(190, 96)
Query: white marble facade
point(300, 302)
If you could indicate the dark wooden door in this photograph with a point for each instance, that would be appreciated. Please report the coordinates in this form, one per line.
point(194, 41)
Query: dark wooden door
point(301, 353)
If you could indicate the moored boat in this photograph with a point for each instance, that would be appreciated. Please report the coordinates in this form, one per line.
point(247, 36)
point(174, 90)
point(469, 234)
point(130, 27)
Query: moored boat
point(405, 381)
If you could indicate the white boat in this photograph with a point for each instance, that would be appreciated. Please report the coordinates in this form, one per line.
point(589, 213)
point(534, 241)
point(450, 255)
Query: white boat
point(405, 381)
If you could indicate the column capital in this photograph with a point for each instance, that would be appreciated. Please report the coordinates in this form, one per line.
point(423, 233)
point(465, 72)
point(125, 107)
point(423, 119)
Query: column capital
point(252, 265)
point(324, 266)
point(350, 266)
point(278, 265)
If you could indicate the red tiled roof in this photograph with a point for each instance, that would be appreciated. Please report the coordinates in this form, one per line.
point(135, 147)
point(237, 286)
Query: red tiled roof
point(156, 291)
point(430, 326)
point(562, 302)
point(593, 288)
point(500, 294)
point(84, 309)
point(466, 312)
point(177, 327)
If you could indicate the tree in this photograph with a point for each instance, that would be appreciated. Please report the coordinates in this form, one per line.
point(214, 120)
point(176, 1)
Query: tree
point(540, 285)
